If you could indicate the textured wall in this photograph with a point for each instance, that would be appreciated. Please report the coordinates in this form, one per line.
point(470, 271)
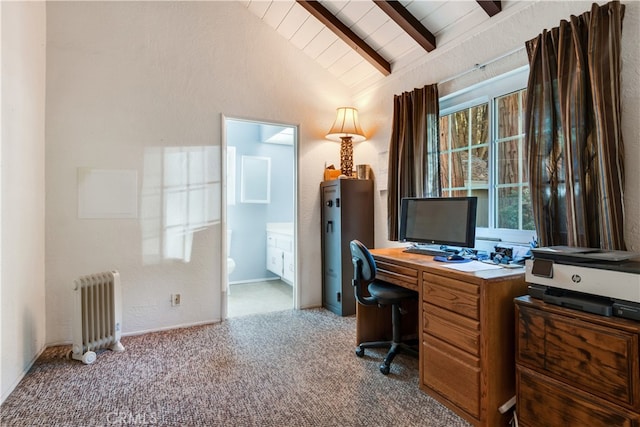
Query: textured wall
point(127, 78)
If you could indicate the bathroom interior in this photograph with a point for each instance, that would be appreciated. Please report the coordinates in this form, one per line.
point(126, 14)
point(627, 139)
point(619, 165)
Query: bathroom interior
point(260, 216)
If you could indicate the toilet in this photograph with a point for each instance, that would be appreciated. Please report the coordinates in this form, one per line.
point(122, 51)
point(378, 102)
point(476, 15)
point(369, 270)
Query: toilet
point(231, 264)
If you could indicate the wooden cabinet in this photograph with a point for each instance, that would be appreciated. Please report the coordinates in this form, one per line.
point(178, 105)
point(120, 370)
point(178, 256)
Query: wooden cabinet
point(575, 368)
point(467, 355)
point(347, 214)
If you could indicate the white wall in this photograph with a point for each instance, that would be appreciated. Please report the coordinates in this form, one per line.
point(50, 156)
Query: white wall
point(504, 33)
point(128, 78)
point(22, 300)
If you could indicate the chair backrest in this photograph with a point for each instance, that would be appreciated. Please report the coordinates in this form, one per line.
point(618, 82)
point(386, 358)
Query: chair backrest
point(361, 255)
point(364, 271)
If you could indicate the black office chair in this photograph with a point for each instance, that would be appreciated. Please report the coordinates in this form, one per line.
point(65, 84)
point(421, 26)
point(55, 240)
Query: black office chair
point(381, 294)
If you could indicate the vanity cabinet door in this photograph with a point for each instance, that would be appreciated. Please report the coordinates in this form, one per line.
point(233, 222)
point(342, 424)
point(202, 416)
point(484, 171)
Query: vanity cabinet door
point(275, 260)
point(288, 273)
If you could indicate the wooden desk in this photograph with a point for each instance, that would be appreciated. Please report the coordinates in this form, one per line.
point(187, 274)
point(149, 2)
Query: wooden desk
point(466, 330)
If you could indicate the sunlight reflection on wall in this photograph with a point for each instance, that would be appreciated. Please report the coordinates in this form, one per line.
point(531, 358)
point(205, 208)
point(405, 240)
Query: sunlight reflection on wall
point(181, 195)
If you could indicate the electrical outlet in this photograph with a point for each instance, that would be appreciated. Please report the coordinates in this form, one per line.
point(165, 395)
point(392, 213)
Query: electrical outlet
point(175, 300)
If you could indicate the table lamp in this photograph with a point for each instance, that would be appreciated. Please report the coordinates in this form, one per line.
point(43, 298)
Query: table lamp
point(347, 130)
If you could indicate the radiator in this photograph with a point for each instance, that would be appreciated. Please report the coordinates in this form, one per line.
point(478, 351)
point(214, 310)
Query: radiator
point(97, 315)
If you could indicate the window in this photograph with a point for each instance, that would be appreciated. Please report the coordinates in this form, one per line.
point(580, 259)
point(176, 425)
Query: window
point(481, 154)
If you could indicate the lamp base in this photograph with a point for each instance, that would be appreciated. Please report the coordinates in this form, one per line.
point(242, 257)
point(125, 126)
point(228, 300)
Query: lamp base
point(346, 156)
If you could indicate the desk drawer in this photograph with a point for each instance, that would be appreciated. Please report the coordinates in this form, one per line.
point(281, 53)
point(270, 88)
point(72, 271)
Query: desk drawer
point(601, 360)
point(402, 276)
point(452, 328)
point(543, 401)
point(452, 373)
point(451, 294)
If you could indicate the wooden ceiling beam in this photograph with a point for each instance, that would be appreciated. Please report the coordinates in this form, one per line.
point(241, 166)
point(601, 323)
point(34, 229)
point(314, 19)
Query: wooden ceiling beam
point(347, 35)
point(409, 23)
point(490, 6)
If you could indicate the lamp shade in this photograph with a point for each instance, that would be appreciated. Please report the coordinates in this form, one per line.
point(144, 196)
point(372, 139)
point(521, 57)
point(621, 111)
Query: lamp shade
point(346, 124)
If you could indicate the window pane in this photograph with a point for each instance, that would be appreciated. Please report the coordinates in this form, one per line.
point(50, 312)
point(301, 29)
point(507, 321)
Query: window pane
point(459, 168)
point(460, 129)
point(508, 162)
point(480, 167)
point(508, 208)
point(444, 170)
point(480, 124)
point(444, 132)
point(525, 168)
point(509, 115)
point(527, 210)
point(482, 210)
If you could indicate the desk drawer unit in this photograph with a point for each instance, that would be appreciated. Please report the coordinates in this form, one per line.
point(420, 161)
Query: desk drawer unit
point(467, 359)
point(450, 345)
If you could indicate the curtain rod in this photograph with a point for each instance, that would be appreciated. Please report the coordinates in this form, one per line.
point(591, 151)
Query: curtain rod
point(480, 66)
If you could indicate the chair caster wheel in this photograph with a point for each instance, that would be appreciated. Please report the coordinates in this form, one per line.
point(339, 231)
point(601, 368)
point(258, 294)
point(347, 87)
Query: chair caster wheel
point(385, 369)
point(359, 351)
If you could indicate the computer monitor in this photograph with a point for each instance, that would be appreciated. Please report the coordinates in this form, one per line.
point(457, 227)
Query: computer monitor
point(447, 221)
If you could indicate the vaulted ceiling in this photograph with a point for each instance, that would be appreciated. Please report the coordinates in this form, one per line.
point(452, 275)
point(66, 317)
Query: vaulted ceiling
point(363, 41)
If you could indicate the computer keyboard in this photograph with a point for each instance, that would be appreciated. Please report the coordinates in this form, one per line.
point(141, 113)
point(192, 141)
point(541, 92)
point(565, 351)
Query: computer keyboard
point(425, 251)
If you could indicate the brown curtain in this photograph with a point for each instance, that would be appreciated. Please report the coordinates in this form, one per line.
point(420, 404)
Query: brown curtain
point(574, 140)
point(413, 151)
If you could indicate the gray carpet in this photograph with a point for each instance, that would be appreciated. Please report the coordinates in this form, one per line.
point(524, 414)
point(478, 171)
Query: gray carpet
point(288, 368)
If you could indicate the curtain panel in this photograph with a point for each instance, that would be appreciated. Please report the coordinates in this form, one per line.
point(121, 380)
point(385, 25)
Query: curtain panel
point(573, 138)
point(414, 166)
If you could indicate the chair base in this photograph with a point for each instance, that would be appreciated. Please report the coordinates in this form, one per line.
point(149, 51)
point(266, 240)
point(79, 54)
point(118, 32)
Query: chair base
point(396, 345)
point(395, 348)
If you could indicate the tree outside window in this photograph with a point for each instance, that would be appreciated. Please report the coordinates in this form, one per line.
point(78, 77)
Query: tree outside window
point(481, 154)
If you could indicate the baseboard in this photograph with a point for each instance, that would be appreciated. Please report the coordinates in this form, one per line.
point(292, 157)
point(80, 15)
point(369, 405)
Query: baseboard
point(265, 279)
point(146, 331)
point(169, 328)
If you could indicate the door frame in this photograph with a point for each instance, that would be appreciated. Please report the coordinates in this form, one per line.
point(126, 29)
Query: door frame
point(224, 278)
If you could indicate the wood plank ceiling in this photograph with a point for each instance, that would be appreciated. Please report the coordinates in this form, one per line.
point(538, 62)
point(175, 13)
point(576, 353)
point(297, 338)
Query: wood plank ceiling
point(363, 41)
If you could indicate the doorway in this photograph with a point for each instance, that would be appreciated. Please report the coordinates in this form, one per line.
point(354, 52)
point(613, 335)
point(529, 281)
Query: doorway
point(259, 217)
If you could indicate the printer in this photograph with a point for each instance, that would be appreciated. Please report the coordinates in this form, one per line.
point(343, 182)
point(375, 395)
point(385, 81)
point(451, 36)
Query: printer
point(593, 280)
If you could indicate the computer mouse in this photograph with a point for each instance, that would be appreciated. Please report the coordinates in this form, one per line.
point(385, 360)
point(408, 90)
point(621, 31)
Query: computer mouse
point(455, 257)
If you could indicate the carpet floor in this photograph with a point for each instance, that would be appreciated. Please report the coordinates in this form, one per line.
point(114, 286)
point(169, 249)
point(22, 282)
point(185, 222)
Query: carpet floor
point(287, 368)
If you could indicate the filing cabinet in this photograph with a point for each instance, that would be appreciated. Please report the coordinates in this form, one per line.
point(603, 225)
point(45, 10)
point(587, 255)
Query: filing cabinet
point(347, 214)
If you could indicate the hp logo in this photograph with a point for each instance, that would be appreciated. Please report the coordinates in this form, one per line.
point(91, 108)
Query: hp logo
point(576, 278)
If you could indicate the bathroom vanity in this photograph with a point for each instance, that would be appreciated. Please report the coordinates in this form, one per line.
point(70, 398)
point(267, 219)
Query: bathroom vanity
point(280, 253)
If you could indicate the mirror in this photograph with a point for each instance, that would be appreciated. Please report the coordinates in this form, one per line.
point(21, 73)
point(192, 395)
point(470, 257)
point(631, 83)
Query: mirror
point(255, 185)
